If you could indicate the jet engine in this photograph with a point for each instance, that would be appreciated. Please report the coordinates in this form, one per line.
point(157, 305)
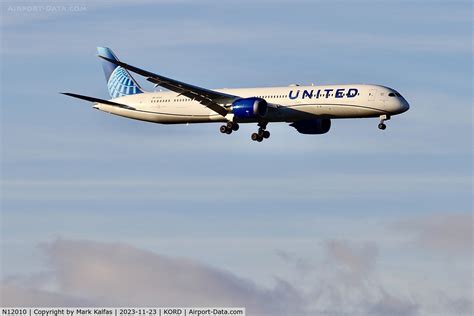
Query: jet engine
point(250, 108)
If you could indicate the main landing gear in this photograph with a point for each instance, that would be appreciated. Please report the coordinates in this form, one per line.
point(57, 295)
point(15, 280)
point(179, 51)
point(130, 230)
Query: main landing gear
point(259, 136)
point(383, 118)
point(262, 132)
point(229, 128)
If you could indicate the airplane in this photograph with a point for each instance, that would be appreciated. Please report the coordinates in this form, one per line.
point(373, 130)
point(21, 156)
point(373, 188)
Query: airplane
point(308, 109)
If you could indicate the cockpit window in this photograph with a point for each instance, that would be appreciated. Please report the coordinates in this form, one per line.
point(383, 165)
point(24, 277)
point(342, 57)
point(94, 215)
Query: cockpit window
point(394, 94)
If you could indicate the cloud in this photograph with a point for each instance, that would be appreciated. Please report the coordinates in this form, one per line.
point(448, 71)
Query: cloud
point(459, 306)
point(357, 259)
point(446, 233)
point(390, 306)
point(349, 283)
point(343, 282)
point(113, 274)
point(17, 295)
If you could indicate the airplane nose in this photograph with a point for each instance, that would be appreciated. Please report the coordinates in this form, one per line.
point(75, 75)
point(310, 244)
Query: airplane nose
point(404, 106)
point(401, 105)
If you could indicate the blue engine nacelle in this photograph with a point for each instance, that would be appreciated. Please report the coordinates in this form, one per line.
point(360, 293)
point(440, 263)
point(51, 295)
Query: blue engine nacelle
point(316, 126)
point(250, 108)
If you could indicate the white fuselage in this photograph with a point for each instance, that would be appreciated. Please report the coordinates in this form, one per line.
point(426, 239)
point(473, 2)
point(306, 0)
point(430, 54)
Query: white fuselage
point(286, 104)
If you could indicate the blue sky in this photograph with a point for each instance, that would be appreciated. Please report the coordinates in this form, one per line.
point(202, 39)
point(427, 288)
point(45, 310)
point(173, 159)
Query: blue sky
point(385, 217)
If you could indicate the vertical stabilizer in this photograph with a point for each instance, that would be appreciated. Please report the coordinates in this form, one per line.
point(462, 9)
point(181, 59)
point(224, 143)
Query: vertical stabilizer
point(119, 80)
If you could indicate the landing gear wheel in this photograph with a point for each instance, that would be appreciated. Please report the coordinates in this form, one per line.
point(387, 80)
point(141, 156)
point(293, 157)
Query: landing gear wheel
point(383, 118)
point(231, 126)
point(225, 130)
point(235, 127)
point(262, 133)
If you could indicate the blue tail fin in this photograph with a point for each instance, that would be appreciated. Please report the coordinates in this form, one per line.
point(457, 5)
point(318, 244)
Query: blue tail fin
point(119, 80)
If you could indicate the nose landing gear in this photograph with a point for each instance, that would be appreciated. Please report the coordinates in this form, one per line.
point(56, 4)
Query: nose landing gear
point(383, 118)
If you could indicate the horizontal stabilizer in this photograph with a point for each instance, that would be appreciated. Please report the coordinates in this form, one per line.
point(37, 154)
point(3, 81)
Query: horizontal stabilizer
point(97, 100)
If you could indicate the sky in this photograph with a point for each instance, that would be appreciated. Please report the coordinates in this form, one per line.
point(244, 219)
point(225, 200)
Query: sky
point(98, 210)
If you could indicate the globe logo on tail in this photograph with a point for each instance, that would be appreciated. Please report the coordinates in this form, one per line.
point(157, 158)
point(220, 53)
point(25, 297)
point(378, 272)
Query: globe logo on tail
point(121, 83)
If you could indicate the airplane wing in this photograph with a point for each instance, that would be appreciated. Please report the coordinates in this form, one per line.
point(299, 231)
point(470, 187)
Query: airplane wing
point(212, 99)
point(97, 100)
